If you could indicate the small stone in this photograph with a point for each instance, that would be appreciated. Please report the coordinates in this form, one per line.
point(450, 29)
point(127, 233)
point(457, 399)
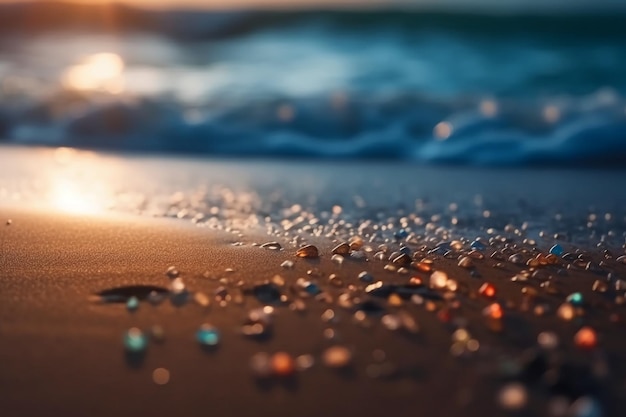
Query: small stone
point(304, 362)
point(585, 407)
point(394, 300)
point(337, 259)
point(599, 286)
point(513, 396)
point(9, 222)
point(287, 265)
point(177, 286)
point(487, 290)
point(516, 259)
point(586, 338)
point(208, 335)
point(261, 365)
point(172, 272)
point(308, 251)
point(337, 357)
point(271, 246)
point(132, 304)
point(358, 255)
point(423, 266)
point(135, 340)
point(575, 299)
point(356, 242)
point(548, 340)
point(201, 299)
point(478, 245)
point(267, 293)
point(402, 259)
point(282, 364)
point(366, 277)
point(341, 249)
point(466, 262)
point(157, 333)
point(438, 279)
point(556, 250)
point(391, 321)
point(161, 376)
point(566, 311)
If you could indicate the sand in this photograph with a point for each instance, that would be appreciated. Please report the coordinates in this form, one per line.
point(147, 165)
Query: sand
point(62, 354)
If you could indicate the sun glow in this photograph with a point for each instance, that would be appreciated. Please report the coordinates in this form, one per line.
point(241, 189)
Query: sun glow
point(102, 72)
point(67, 197)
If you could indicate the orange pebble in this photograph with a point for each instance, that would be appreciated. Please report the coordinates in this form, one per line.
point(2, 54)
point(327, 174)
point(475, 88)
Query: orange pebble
point(586, 338)
point(494, 311)
point(282, 364)
point(487, 290)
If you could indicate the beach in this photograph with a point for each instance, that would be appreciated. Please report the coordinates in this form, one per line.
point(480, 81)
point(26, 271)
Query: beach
point(127, 219)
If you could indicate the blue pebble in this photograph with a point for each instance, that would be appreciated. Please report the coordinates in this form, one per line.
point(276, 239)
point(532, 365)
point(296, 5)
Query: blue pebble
point(556, 250)
point(401, 234)
point(312, 289)
point(366, 277)
point(478, 245)
point(208, 335)
point(405, 249)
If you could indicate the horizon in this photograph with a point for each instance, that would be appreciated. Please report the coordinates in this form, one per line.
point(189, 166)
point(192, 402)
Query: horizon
point(462, 6)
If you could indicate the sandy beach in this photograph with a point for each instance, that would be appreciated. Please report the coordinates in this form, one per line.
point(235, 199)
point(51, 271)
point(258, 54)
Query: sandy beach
point(63, 354)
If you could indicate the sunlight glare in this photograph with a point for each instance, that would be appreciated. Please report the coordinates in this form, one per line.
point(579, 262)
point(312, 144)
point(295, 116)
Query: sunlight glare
point(67, 197)
point(101, 72)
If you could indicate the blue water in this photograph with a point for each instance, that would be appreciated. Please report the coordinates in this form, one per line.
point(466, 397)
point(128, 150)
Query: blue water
point(428, 87)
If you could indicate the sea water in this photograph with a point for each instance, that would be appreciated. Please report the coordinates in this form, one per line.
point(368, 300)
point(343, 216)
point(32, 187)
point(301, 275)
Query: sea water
point(510, 87)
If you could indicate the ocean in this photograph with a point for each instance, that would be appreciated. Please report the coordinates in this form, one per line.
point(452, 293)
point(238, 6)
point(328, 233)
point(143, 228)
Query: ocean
point(423, 86)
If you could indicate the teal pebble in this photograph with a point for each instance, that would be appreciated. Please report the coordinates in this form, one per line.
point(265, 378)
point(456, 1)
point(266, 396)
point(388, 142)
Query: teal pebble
point(132, 303)
point(208, 335)
point(135, 340)
point(575, 298)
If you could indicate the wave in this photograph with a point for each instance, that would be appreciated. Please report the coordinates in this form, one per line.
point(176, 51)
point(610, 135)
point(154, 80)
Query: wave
point(580, 132)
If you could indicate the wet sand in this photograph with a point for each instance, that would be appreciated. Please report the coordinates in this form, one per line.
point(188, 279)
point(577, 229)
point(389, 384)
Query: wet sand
point(62, 354)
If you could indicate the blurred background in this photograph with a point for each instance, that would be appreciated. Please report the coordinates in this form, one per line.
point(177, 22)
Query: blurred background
point(480, 82)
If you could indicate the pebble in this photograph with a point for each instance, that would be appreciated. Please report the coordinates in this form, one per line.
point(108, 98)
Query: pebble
point(337, 259)
point(132, 304)
point(282, 364)
point(586, 338)
point(208, 335)
point(513, 396)
point(341, 249)
point(556, 250)
point(308, 251)
point(172, 272)
point(304, 362)
point(575, 299)
point(487, 290)
point(261, 365)
point(466, 262)
point(201, 299)
point(337, 357)
point(135, 340)
point(271, 246)
point(161, 376)
point(287, 265)
point(438, 280)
